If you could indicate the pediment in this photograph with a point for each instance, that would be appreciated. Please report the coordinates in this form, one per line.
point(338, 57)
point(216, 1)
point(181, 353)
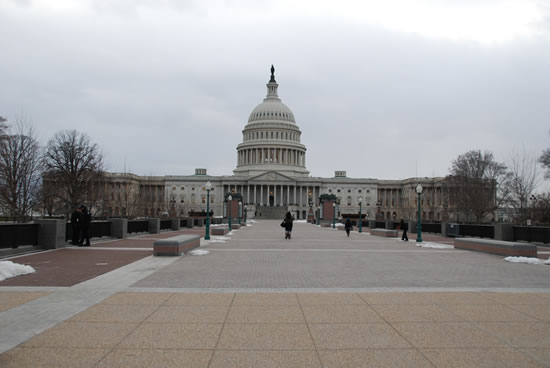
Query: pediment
point(272, 176)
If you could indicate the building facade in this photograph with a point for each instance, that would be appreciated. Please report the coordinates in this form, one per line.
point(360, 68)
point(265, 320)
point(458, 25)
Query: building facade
point(271, 178)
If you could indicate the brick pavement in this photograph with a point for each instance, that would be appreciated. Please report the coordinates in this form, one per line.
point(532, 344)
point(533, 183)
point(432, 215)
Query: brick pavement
point(357, 302)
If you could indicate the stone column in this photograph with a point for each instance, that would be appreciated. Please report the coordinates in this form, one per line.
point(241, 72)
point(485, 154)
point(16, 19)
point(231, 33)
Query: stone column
point(287, 195)
point(275, 194)
point(255, 198)
point(175, 224)
point(119, 228)
point(51, 233)
point(282, 195)
point(294, 194)
point(504, 232)
point(154, 226)
point(261, 195)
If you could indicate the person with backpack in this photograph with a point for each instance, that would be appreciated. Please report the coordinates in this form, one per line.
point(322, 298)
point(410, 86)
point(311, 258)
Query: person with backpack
point(287, 224)
point(348, 226)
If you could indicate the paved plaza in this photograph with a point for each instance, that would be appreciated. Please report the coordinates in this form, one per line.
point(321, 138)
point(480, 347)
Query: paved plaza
point(257, 300)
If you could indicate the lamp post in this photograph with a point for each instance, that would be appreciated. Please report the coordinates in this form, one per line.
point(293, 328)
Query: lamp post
point(229, 210)
point(239, 209)
point(334, 215)
point(360, 219)
point(207, 231)
point(418, 216)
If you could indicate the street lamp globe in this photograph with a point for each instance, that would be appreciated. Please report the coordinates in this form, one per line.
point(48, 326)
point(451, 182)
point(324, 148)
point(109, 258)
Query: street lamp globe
point(360, 218)
point(208, 185)
point(419, 189)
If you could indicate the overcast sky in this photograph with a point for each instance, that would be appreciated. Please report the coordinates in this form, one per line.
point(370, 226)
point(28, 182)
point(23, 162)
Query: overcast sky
point(381, 89)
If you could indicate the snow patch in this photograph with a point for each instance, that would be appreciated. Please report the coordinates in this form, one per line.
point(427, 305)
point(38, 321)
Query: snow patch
point(199, 252)
point(528, 260)
point(434, 245)
point(9, 269)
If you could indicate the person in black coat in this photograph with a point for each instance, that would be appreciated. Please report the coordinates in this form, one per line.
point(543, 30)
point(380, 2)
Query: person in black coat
point(75, 225)
point(86, 219)
point(405, 227)
point(348, 226)
point(287, 224)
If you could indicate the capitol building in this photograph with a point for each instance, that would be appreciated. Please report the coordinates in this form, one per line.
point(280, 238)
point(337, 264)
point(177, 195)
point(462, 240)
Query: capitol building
point(271, 178)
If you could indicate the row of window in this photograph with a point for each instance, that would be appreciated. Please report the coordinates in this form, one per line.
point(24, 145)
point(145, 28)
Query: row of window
point(271, 135)
point(349, 190)
point(268, 114)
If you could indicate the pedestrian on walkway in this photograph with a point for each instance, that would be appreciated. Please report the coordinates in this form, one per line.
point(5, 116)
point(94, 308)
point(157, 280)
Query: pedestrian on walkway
point(75, 225)
point(86, 219)
point(348, 226)
point(404, 226)
point(287, 224)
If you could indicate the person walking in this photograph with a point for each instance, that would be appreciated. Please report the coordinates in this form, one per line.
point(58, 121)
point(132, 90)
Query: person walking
point(404, 226)
point(287, 224)
point(75, 225)
point(86, 219)
point(348, 226)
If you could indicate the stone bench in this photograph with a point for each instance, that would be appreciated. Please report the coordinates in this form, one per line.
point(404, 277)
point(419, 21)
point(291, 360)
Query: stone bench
point(384, 232)
point(235, 226)
point(326, 224)
point(176, 245)
point(219, 231)
point(499, 247)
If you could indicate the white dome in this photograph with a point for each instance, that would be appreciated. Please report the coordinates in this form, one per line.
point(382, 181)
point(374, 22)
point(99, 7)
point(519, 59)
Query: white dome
point(272, 110)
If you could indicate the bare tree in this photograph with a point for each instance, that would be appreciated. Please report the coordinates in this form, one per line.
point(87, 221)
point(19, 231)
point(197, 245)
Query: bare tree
point(75, 165)
point(476, 180)
point(20, 170)
point(544, 159)
point(521, 181)
point(3, 126)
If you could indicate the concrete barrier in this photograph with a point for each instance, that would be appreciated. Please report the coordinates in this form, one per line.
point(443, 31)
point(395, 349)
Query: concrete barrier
point(176, 245)
point(499, 247)
point(384, 232)
point(219, 230)
point(235, 226)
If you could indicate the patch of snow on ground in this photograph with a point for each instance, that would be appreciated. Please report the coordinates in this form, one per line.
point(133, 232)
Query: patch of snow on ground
point(434, 245)
point(219, 239)
point(528, 260)
point(230, 233)
point(199, 252)
point(302, 221)
point(251, 221)
point(9, 269)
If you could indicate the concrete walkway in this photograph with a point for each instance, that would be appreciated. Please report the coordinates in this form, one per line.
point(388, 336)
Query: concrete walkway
point(318, 300)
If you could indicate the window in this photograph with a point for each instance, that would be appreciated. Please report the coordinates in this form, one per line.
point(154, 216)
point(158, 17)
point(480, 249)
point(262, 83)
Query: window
point(182, 188)
point(349, 201)
point(359, 190)
point(338, 190)
point(368, 190)
point(193, 188)
point(203, 199)
point(349, 191)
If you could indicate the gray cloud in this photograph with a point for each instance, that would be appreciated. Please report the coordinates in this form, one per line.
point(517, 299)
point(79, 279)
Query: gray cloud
point(166, 95)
